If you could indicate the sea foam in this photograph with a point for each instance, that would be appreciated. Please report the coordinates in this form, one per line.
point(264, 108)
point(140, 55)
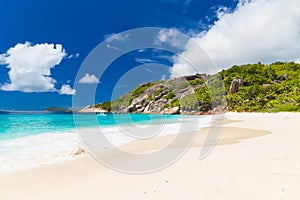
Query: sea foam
point(55, 147)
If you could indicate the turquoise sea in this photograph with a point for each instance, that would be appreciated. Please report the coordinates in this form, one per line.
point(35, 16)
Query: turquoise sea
point(32, 139)
point(15, 125)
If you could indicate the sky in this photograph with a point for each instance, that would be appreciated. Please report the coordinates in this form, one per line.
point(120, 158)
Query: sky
point(43, 44)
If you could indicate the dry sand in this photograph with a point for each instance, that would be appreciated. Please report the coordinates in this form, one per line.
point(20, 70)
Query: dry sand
point(267, 166)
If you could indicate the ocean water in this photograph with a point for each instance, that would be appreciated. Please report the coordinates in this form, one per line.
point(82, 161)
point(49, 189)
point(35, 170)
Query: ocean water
point(16, 125)
point(29, 140)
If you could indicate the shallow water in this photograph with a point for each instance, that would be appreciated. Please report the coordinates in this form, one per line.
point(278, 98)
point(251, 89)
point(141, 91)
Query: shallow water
point(29, 140)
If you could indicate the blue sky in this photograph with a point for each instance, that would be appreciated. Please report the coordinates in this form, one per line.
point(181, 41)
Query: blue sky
point(79, 26)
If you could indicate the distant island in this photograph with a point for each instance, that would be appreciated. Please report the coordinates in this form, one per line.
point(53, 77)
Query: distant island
point(245, 88)
point(57, 109)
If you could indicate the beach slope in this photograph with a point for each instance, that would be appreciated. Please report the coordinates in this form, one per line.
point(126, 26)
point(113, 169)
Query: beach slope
point(257, 157)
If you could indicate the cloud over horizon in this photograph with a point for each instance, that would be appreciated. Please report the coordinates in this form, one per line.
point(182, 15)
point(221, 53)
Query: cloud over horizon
point(89, 79)
point(257, 30)
point(67, 90)
point(30, 67)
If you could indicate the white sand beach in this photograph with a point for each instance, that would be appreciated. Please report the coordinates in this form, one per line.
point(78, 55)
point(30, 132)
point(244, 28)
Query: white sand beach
point(257, 157)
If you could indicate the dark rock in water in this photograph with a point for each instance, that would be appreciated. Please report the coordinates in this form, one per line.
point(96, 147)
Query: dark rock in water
point(284, 77)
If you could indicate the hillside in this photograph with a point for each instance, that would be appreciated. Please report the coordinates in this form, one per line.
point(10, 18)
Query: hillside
point(252, 87)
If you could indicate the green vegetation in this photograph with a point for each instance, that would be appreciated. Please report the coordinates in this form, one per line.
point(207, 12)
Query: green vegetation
point(123, 101)
point(261, 92)
point(158, 92)
point(204, 98)
point(170, 95)
point(189, 103)
point(174, 102)
point(266, 88)
point(166, 106)
point(140, 90)
point(105, 106)
point(196, 81)
point(56, 109)
point(182, 85)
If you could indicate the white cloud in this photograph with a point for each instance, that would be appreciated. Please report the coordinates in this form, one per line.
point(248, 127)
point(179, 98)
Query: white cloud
point(172, 37)
point(145, 60)
point(116, 37)
point(113, 40)
point(89, 79)
point(74, 56)
point(163, 77)
point(257, 30)
point(112, 47)
point(30, 66)
point(66, 89)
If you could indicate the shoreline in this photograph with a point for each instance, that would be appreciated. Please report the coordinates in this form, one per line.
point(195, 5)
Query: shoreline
point(31, 151)
point(257, 157)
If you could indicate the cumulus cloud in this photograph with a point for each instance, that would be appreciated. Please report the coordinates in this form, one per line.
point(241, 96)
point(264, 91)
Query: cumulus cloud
point(172, 37)
point(89, 79)
point(66, 89)
point(113, 39)
point(257, 30)
point(30, 67)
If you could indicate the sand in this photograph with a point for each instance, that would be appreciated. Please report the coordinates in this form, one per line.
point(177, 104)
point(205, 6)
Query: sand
point(257, 157)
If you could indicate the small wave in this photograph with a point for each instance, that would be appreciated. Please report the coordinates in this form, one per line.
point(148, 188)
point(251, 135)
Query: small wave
point(47, 148)
point(33, 151)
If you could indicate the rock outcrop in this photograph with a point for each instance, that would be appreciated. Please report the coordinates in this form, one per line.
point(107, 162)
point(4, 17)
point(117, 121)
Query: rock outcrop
point(92, 109)
point(284, 77)
point(172, 111)
point(235, 84)
point(256, 87)
point(162, 97)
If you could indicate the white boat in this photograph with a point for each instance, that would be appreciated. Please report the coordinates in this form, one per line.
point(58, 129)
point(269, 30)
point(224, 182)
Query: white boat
point(101, 114)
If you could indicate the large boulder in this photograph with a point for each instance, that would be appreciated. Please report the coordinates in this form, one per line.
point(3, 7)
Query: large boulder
point(234, 85)
point(241, 82)
point(131, 108)
point(147, 108)
point(155, 107)
point(172, 111)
